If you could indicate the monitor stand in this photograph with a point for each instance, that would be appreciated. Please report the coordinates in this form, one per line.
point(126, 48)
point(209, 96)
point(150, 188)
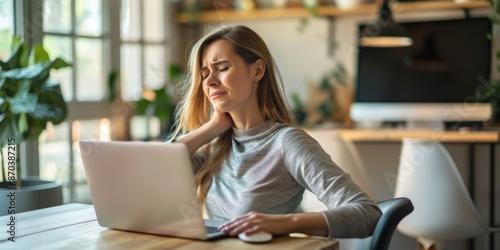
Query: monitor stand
point(425, 125)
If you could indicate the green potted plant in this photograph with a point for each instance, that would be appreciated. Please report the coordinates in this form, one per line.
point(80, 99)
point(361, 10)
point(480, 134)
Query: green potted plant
point(330, 99)
point(28, 101)
point(158, 103)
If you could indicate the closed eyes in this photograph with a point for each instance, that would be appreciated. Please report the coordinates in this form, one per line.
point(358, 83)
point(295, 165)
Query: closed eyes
point(206, 73)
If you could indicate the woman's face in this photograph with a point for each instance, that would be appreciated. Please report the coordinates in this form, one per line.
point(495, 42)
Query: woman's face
point(228, 82)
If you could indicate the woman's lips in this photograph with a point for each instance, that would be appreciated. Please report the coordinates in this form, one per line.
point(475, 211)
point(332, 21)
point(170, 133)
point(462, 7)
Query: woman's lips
point(216, 94)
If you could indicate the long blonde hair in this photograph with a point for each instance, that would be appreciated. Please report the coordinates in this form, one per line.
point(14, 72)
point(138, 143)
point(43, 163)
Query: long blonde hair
point(195, 109)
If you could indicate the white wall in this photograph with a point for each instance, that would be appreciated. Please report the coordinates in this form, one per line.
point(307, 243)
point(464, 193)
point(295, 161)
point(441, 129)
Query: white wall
point(303, 58)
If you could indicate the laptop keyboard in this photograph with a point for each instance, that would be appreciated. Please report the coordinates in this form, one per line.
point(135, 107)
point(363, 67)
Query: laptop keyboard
point(212, 229)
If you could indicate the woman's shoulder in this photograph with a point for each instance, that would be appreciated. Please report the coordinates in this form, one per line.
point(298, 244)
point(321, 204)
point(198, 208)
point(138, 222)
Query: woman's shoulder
point(291, 134)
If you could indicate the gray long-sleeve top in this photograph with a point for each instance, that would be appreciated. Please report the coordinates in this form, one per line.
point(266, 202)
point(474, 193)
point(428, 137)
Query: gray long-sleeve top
point(267, 170)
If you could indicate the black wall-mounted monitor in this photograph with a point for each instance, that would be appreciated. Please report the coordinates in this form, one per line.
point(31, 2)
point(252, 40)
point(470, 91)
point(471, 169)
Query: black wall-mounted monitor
point(435, 79)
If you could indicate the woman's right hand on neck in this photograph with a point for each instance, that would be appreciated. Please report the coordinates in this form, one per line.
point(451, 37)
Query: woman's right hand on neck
point(218, 124)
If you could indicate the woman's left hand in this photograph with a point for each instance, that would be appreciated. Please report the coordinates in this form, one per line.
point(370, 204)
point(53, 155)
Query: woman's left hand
point(254, 222)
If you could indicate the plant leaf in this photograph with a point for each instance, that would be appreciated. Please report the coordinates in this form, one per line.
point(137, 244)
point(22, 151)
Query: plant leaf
point(162, 112)
point(23, 101)
point(112, 77)
point(59, 63)
point(14, 60)
point(297, 102)
point(23, 123)
point(51, 105)
point(325, 110)
point(141, 106)
point(325, 84)
point(38, 54)
point(2, 81)
point(174, 72)
point(16, 42)
point(162, 108)
point(8, 129)
point(3, 65)
point(29, 72)
point(45, 112)
point(4, 130)
point(36, 128)
point(40, 70)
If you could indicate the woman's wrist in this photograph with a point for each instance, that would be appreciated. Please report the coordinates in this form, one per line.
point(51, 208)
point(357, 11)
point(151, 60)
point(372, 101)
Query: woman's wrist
point(294, 223)
point(212, 130)
point(309, 223)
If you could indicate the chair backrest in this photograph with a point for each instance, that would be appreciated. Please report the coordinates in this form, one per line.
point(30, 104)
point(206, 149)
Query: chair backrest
point(393, 211)
point(345, 154)
point(429, 177)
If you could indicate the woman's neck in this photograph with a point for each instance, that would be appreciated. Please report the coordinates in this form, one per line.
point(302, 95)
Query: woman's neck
point(247, 121)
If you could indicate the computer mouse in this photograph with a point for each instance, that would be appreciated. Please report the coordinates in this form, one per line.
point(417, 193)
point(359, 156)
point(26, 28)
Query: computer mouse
point(259, 237)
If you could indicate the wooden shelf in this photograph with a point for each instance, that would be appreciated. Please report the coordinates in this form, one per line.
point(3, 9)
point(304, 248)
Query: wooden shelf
point(395, 135)
point(326, 11)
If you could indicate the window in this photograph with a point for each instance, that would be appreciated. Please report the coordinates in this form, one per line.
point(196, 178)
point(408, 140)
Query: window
point(86, 33)
point(98, 37)
point(6, 31)
point(74, 31)
point(6, 27)
point(143, 49)
point(143, 52)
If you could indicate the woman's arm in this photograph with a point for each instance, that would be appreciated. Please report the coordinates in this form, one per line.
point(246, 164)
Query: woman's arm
point(219, 123)
point(306, 223)
point(351, 214)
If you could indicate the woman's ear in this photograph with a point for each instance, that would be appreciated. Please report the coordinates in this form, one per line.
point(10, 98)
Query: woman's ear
point(260, 69)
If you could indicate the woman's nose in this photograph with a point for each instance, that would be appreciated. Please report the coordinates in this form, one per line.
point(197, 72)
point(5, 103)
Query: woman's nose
point(211, 80)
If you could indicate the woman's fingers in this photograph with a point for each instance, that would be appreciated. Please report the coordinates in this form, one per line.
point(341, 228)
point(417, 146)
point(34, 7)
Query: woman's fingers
point(255, 222)
point(237, 225)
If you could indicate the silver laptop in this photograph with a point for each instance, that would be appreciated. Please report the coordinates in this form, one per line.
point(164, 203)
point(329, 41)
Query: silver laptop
point(145, 187)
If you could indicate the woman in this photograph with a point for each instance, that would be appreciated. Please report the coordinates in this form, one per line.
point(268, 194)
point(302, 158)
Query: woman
point(251, 163)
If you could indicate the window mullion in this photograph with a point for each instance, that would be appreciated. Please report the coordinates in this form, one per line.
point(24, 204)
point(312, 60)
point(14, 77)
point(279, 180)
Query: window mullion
point(73, 50)
point(29, 24)
point(141, 42)
point(32, 29)
point(71, 172)
point(18, 17)
point(167, 27)
point(112, 29)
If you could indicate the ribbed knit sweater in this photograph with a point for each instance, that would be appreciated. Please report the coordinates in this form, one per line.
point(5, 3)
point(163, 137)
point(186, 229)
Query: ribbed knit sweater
point(269, 167)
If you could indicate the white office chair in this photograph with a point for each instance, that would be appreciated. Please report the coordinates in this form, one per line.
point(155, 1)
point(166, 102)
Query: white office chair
point(444, 210)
